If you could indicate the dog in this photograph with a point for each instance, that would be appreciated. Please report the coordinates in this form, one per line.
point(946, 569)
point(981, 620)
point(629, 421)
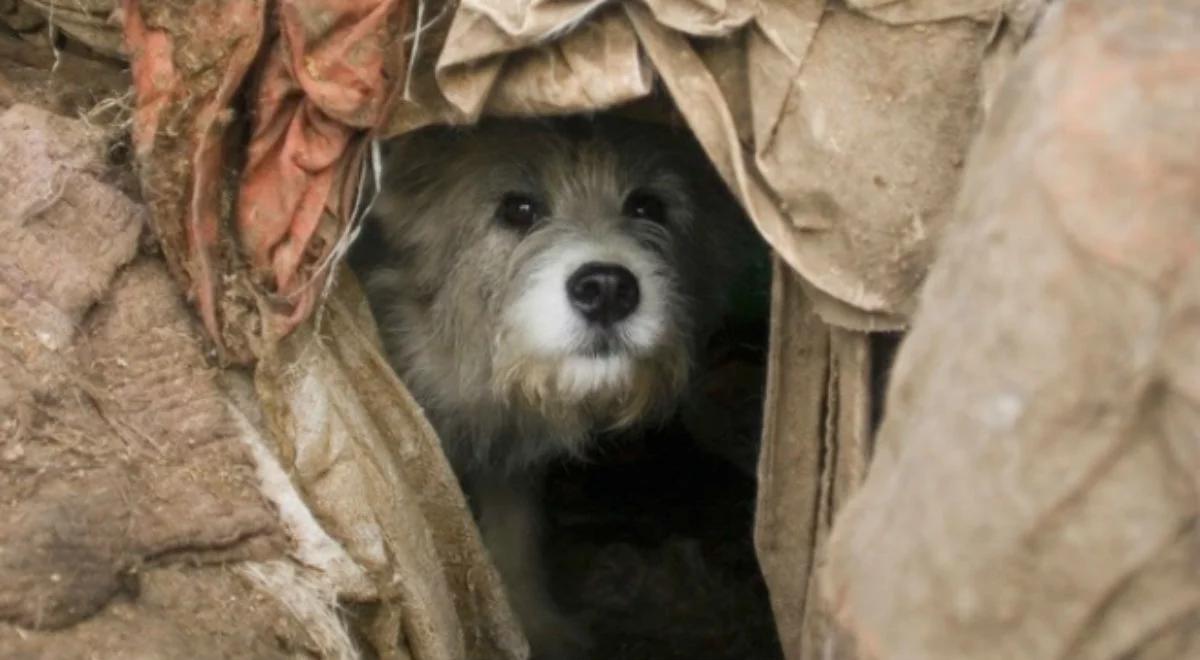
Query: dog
point(536, 282)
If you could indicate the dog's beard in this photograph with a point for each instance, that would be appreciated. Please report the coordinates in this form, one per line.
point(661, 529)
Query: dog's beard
point(547, 358)
point(609, 393)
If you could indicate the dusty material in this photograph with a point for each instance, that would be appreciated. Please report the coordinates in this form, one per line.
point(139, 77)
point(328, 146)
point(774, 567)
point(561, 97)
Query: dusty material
point(371, 470)
point(127, 460)
point(106, 403)
point(324, 72)
point(325, 85)
point(1035, 491)
point(93, 23)
point(815, 452)
point(69, 84)
point(184, 86)
point(198, 612)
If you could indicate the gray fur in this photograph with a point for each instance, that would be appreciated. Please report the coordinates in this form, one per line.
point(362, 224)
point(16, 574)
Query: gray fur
point(452, 290)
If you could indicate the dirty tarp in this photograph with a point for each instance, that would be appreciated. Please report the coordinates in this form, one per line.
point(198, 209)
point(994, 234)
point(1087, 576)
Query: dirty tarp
point(815, 454)
point(322, 78)
point(372, 471)
point(1036, 487)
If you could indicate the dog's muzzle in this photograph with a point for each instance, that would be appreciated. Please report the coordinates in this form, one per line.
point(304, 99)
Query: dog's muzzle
point(603, 293)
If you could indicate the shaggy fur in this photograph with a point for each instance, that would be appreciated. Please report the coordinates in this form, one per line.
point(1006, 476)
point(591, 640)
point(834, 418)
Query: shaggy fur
point(476, 319)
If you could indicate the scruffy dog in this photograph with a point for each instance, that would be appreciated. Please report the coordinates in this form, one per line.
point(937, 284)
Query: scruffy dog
point(536, 282)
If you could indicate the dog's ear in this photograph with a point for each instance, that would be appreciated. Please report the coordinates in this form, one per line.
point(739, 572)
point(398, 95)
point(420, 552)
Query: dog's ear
point(415, 175)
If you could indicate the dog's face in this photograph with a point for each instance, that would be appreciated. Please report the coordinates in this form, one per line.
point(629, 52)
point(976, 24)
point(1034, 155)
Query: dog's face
point(561, 268)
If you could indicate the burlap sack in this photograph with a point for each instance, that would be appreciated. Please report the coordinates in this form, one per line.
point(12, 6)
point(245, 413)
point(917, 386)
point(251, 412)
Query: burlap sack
point(119, 468)
point(154, 505)
point(1037, 481)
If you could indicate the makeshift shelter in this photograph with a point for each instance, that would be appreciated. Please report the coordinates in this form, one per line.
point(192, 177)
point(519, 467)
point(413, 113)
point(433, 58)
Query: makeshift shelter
point(235, 471)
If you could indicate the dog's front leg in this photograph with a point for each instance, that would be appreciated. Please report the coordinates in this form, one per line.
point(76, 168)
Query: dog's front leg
point(509, 514)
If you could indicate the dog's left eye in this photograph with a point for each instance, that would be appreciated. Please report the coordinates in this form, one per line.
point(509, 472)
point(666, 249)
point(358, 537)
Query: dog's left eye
point(644, 205)
point(518, 211)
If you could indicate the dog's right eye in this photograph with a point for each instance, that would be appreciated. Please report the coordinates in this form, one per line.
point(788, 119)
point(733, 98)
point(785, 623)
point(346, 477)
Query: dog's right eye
point(519, 212)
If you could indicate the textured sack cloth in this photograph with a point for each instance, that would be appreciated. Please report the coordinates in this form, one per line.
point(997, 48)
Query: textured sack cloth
point(1035, 490)
point(120, 468)
point(154, 504)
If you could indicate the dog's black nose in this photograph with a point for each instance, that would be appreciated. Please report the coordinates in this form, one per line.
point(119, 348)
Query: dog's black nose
point(603, 293)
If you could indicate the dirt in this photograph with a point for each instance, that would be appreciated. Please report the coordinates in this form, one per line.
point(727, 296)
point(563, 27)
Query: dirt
point(121, 473)
point(178, 612)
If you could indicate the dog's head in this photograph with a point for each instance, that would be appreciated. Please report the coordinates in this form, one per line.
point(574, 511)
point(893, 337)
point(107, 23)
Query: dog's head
point(568, 267)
